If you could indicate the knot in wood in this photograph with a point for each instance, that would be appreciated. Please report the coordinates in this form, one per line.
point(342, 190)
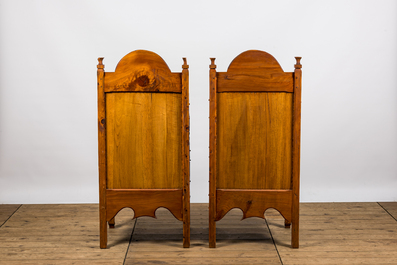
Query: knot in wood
point(143, 80)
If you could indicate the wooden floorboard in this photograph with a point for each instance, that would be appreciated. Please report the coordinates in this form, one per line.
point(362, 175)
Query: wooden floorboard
point(330, 233)
point(238, 242)
point(390, 207)
point(62, 234)
point(6, 211)
point(339, 233)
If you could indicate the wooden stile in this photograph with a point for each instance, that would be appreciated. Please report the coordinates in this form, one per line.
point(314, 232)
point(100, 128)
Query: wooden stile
point(255, 113)
point(143, 140)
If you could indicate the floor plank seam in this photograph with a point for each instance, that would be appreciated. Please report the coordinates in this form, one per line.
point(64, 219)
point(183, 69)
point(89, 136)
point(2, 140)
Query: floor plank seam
point(274, 243)
point(129, 243)
point(387, 211)
point(10, 216)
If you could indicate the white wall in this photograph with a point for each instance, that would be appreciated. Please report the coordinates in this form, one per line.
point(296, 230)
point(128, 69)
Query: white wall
point(48, 52)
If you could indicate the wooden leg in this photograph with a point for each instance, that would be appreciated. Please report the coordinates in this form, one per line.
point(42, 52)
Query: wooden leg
point(287, 224)
point(112, 223)
point(212, 227)
point(295, 225)
point(186, 225)
point(103, 230)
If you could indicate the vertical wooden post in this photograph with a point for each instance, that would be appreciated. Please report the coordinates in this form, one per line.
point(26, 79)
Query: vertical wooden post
point(212, 188)
point(102, 154)
point(186, 154)
point(296, 140)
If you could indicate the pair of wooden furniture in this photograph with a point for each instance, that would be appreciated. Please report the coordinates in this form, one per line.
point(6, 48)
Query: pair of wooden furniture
point(143, 140)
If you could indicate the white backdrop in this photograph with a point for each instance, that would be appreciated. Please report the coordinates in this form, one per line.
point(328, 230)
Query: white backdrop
point(48, 57)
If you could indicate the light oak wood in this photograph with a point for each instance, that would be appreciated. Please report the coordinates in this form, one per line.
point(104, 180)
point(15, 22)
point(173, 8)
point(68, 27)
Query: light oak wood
point(143, 140)
point(255, 140)
point(252, 202)
point(144, 202)
point(186, 154)
point(296, 139)
point(149, 74)
point(102, 152)
point(213, 155)
point(144, 143)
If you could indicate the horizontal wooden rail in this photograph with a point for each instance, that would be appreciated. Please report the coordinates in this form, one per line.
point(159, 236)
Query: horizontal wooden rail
point(240, 82)
point(143, 81)
point(253, 203)
point(144, 202)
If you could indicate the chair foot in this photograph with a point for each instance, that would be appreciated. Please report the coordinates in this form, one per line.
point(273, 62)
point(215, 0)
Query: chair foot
point(112, 223)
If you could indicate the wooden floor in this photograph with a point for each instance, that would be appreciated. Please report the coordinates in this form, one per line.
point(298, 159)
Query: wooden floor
point(331, 233)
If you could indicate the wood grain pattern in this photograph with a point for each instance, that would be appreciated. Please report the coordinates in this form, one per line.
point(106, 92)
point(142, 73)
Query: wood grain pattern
point(212, 155)
point(186, 154)
point(102, 152)
point(253, 203)
point(143, 114)
point(144, 202)
point(330, 233)
point(254, 71)
point(254, 140)
point(149, 73)
point(259, 82)
point(296, 139)
point(144, 140)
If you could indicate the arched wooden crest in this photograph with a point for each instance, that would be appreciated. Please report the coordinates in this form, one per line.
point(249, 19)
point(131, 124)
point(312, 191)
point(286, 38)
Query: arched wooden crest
point(255, 139)
point(143, 71)
point(143, 140)
point(254, 71)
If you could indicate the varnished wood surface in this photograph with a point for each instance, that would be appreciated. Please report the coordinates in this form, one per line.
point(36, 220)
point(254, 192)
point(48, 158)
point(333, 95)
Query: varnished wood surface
point(253, 203)
point(331, 233)
point(144, 141)
point(238, 82)
point(212, 155)
point(144, 202)
point(144, 150)
point(296, 149)
point(142, 71)
point(102, 167)
point(255, 137)
point(254, 140)
point(186, 154)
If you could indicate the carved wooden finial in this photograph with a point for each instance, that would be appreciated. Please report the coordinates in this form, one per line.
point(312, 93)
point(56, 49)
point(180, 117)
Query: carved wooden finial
point(298, 63)
point(100, 64)
point(185, 65)
point(212, 66)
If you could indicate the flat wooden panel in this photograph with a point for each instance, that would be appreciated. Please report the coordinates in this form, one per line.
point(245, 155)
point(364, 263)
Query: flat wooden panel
point(253, 203)
point(144, 202)
point(254, 140)
point(255, 82)
point(144, 145)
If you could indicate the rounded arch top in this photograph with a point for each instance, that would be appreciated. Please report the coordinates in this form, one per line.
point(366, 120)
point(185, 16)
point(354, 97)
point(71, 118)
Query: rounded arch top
point(254, 60)
point(139, 58)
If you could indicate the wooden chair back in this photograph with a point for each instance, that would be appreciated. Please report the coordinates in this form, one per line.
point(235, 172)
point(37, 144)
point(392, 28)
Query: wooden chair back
point(143, 133)
point(255, 113)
